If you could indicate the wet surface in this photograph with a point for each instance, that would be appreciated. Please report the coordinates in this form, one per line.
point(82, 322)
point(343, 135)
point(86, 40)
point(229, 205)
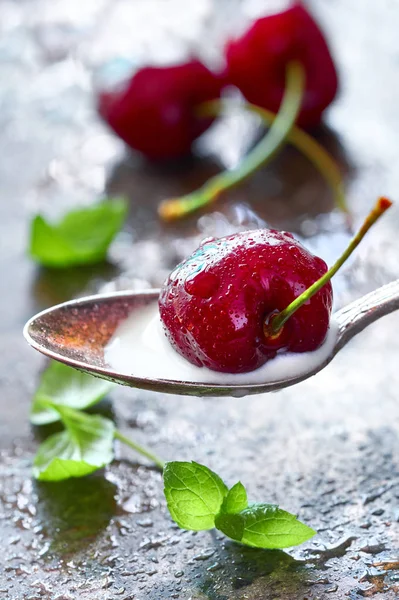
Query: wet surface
point(327, 449)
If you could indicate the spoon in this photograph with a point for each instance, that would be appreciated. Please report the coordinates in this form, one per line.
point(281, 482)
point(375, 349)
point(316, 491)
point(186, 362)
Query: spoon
point(76, 333)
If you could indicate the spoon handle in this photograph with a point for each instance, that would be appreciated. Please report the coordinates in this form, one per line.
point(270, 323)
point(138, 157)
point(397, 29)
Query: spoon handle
point(355, 317)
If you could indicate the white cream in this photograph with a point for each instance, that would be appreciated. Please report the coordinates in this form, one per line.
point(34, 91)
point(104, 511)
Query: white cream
point(140, 348)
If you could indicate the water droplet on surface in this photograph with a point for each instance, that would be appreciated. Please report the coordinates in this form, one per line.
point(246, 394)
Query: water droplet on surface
point(145, 522)
point(203, 284)
point(204, 555)
point(179, 573)
point(215, 567)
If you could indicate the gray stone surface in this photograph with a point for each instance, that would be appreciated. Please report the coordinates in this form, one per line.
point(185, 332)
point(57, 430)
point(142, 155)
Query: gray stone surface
point(326, 449)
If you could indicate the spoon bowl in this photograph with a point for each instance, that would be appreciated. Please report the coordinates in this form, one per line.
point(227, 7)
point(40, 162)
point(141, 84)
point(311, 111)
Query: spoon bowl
point(77, 332)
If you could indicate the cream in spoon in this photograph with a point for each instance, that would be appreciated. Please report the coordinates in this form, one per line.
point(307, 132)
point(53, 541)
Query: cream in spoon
point(140, 348)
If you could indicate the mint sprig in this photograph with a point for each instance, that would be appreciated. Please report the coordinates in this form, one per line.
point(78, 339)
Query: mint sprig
point(81, 237)
point(86, 443)
point(198, 499)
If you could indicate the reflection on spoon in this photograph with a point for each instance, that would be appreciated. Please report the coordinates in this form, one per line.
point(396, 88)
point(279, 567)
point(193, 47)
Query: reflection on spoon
point(82, 333)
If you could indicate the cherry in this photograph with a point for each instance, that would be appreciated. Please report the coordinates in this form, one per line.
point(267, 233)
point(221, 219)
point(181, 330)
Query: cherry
point(257, 62)
point(238, 300)
point(215, 303)
point(154, 112)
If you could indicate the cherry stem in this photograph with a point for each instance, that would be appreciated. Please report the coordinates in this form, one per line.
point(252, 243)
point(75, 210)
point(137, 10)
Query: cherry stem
point(259, 156)
point(305, 143)
point(315, 152)
point(279, 319)
point(140, 449)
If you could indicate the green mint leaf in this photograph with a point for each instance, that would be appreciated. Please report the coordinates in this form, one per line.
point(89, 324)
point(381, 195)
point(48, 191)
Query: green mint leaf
point(85, 446)
point(268, 526)
point(194, 494)
point(236, 500)
point(231, 525)
point(198, 499)
point(229, 521)
point(81, 237)
point(64, 386)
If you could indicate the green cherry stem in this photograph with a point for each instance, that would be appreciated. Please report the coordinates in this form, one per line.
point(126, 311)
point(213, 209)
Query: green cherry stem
point(315, 152)
point(278, 320)
point(259, 156)
point(304, 142)
point(140, 449)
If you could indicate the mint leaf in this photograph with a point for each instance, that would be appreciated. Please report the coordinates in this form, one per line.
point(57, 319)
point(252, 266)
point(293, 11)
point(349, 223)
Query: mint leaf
point(236, 499)
point(264, 526)
point(229, 521)
point(198, 499)
point(65, 386)
point(85, 446)
point(231, 525)
point(81, 237)
point(268, 526)
point(194, 494)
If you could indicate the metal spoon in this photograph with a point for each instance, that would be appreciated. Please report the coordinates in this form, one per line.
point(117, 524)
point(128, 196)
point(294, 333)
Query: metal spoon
point(76, 333)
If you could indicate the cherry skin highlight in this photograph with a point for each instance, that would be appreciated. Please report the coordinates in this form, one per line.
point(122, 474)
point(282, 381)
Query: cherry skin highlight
point(257, 62)
point(154, 112)
point(215, 304)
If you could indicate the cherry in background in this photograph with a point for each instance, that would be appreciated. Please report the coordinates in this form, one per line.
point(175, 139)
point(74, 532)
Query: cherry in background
point(154, 112)
point(257, 62)
point(281, 64)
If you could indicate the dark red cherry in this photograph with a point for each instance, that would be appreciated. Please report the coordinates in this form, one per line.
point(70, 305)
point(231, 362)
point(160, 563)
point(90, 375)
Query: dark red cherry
point(154, 112)
point(257, 62)
point(215, 304)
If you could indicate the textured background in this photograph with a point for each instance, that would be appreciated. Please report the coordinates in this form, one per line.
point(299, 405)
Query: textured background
point(326, 449)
